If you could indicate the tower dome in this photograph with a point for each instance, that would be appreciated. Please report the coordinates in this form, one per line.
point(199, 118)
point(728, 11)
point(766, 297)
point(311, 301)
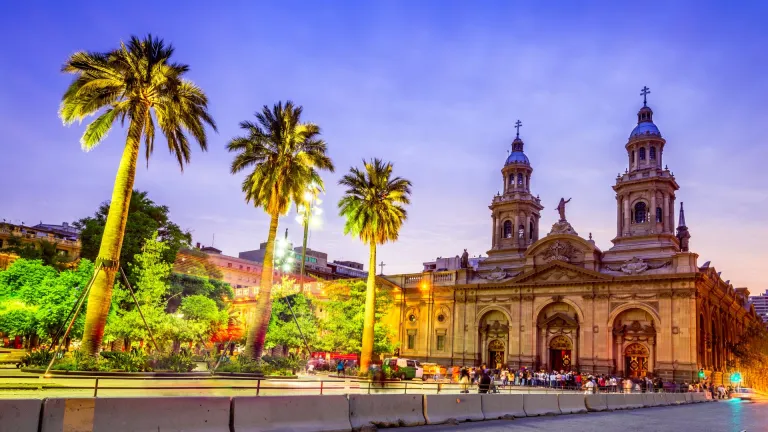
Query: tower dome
point(645, 126)
point(517, 156)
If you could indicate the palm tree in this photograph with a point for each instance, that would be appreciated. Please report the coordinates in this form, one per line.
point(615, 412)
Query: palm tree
point(286, 156)
point(373, 205)
point(132, 82)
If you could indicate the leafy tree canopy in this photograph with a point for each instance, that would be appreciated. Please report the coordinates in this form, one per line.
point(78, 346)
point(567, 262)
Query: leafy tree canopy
point(342, 322)
point(145, 217)
point(282, 327)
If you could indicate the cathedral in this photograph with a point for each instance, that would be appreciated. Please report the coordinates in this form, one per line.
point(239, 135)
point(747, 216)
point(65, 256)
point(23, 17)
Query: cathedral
point(645, 306)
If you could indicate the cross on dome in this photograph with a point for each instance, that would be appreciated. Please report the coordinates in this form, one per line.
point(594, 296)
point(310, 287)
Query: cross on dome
point(518, 123)
point(644, 93)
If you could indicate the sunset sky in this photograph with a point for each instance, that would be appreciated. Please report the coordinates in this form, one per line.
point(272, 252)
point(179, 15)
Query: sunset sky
point(433, 86)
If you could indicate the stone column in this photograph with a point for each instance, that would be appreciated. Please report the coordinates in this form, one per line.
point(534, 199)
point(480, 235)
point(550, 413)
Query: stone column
point(618, 215)
point(665, 219)
point(671, 214)
point(525, 182)
point(528, 182)
point(527, 331)
point(494, 234)
point(626, 215)
point(653, 211)
point(514, 228)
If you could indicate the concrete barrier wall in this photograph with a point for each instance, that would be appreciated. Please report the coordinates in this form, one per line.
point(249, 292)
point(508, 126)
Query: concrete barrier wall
point(197, 414)
point(386, 410)
point(634, 400)
point(291, 413)
point(540, 404)
point(688, 397)
point(660, 399)
point(649, 400)
point(19, 415)
point(496, 406)
point(571, 403)
point(676, 398)
point(462, 407)
point(596, 402)
point(698, 397)
point(616, 401)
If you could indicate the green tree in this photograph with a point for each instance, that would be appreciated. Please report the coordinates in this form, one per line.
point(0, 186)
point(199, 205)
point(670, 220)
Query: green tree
point(282, 327)
point(35, 299)
point(185, 285)
point(40, 249)
point(343, 319)
point(373, 205)
point(145, 217)
point(137, 81)
point(751, 351)
point(285, 156)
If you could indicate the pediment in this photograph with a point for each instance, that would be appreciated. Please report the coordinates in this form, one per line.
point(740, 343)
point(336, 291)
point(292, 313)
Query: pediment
point(558, 319)
point(560, 272)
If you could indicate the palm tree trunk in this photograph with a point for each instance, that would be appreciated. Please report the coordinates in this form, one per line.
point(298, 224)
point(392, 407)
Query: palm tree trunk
point(100, 297)
point(366, 352)
point(257, 328)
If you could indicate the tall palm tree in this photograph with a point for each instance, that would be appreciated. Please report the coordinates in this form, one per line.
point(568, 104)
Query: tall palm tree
point(286, 156)
point(373, 205)
point(137, 82)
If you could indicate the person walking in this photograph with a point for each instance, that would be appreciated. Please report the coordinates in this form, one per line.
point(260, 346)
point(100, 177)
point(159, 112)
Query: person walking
point(340, 368)
point(485, 383)
point(464, 381)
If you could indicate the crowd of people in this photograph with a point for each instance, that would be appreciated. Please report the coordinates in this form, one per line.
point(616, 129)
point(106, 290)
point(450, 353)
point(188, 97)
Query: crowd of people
point(492, 380)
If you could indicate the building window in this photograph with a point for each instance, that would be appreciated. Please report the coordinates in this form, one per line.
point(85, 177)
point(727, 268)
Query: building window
point(530, 231)
point(640, 212)
point(411, 341)
point(520, 232)
point(507, 230)
point(412, 318)
point(512, 179)
point(519, 178)
point(248, 268)
point(641, 153)
point(441, 342)
point(241, 267)
point(658, 214)
point(652, 154)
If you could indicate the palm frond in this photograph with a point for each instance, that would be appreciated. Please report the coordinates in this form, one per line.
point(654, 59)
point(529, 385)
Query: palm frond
point(97, 130)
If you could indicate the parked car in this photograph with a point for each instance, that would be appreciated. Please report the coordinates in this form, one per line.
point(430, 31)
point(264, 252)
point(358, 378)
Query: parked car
point(743, 393)
point(405, 369)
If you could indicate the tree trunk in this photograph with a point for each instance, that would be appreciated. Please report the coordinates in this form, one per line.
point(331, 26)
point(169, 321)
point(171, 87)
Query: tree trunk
point(100, 296)
point(257, 329)
point(366, 352)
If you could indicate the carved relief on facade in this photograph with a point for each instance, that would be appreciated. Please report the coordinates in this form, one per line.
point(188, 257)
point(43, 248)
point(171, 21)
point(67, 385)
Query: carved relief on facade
point(636, 266)
point(559, 251)
point(498, 274)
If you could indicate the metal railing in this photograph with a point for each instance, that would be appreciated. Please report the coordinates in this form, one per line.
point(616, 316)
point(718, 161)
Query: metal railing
point(271, 386)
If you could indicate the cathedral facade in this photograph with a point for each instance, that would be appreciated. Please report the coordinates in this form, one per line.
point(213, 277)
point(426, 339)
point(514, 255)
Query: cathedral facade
point(557, 301)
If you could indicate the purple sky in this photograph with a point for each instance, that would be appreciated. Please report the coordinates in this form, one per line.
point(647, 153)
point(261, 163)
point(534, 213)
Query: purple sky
point(435, 87)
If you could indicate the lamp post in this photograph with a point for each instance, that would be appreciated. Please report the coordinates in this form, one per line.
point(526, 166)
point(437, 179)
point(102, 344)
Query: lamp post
point(284, 258)
point(309, 213)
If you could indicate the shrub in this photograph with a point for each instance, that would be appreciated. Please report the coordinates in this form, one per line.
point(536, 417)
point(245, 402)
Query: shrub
point(174, 362)
point(37, 358)
point(244, 364)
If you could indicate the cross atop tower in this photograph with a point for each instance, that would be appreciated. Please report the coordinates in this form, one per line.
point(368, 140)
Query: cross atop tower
point(517, 126)
point(382, 268)
point(644, 93)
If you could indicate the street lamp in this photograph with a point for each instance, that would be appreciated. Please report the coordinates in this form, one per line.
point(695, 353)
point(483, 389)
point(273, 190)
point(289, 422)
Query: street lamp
point(284, 259)
point(309, 214)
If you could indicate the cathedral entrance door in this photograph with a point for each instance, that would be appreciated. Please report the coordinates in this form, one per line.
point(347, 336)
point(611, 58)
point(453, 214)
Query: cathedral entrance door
point(496, 354)
point(560, 349)
point(636, 360)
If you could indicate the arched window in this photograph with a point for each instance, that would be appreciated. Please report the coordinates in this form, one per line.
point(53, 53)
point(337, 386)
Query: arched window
point(640, 212)
point(530, 230)
point(507, 231)
point(641, 153)
point(658, 214)
point(652, 154)
point(521, 232)
point(511, 179)
point(519, 178)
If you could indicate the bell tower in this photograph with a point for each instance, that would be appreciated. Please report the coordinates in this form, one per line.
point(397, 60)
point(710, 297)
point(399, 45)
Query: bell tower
point(515, 212)
point(645, 193)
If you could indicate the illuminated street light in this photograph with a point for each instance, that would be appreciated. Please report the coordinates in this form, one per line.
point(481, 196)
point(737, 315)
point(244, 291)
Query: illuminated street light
point(309, 214)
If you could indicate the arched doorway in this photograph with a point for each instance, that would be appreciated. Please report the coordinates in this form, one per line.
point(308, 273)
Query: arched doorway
point(634, 335)
point(492, 338)
point(557, 337)
point(496, 354)
point(561, 353)
point(636, 358)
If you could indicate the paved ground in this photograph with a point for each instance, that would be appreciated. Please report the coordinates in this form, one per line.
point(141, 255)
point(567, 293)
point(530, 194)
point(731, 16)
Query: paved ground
point(722, 416)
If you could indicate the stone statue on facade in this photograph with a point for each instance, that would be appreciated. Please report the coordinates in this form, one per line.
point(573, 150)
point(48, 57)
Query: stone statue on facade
point(561, 208)
point(465, 259)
